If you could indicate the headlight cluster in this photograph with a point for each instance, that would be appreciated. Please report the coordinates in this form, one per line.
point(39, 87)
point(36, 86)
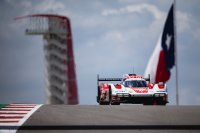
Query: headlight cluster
point(159, 95)
point(123, 95)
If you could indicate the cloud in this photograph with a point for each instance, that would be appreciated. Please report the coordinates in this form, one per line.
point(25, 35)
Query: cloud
point(136, 8)
point(115, 37)
point(102, 49)
point(183, 21)
point(196, 34)
point(24, 4)
point(139, 22)
point(83, 21)
point(49, 5)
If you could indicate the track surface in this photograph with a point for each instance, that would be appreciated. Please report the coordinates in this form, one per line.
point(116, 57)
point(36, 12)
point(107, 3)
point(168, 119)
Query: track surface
point(123, 118)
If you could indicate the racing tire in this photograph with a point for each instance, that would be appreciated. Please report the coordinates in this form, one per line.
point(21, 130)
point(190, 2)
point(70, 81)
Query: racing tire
point(159, 103)
point(104, 103)
point(98, 94)
point(162, 103)
point(110, 95)
point(147, 103)
point(155, 103)
point(116, 103)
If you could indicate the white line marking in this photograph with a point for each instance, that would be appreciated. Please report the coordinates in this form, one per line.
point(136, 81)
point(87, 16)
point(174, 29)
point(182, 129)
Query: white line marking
point(12, 115)
point(29, 114)
point(14, 112)
point(16, 109)
point(9, 120)
point(23, 104)
point(21, 121)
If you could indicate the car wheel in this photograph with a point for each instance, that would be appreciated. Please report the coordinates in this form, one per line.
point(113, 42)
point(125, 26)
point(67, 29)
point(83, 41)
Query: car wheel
point(104, 103)
point(115, 103)
point(161, 103)
point(110, 94)
point(98, 94)
point(147, 103)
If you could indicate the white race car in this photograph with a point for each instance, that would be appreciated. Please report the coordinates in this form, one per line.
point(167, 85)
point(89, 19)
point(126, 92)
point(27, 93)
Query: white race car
point(133, 89)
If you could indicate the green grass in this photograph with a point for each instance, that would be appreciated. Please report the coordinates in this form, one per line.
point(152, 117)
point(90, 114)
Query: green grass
point(2, 105)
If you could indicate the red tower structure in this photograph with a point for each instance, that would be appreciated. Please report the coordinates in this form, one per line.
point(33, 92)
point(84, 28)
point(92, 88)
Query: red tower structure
point(60, 74)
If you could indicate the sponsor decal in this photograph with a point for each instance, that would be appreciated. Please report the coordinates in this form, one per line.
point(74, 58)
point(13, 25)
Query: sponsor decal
point(140, 90)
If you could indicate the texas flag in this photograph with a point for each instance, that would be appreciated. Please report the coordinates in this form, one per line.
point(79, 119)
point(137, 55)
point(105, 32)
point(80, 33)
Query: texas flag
point(163, 57)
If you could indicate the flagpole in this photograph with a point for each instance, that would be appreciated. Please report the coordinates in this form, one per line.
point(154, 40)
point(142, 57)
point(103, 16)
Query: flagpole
point(176, 61)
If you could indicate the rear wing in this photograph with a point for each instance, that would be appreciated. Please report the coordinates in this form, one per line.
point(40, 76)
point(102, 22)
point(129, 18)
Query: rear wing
point(107, 79)
point(116, 79)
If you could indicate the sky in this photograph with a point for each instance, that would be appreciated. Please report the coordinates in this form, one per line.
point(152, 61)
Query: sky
point(110, 38)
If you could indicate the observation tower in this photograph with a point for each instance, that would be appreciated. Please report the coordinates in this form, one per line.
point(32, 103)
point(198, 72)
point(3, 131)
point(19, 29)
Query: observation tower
point(60, 74)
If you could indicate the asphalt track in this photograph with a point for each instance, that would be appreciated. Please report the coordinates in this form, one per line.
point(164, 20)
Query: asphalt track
point(118, 119)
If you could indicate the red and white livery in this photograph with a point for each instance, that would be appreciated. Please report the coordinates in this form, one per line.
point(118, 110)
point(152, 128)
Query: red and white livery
point(132, 89)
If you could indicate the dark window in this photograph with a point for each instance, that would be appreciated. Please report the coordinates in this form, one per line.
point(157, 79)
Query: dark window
point(135, 83)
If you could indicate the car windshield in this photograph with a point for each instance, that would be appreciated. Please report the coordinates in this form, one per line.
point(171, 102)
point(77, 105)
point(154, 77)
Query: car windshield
point(135, 83)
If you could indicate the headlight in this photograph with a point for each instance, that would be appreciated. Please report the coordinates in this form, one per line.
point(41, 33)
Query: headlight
point(162, 95)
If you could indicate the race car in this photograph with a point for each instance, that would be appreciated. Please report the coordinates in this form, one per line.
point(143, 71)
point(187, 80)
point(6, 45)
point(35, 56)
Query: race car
point(132, 89)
